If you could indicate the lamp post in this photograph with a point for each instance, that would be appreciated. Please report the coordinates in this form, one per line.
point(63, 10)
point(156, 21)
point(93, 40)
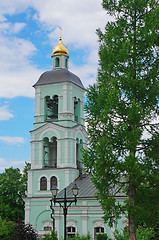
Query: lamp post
point(66, 202)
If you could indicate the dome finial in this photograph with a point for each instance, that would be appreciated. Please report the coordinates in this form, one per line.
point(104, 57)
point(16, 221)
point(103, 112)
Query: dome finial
point(60, 33)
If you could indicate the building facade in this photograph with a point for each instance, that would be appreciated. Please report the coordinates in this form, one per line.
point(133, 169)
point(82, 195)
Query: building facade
point(56, 141)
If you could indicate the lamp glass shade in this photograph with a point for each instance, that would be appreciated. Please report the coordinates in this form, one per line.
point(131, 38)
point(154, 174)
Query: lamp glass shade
point(54, 191)
point(75, 190)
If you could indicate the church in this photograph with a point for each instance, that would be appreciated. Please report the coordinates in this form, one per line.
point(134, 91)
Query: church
point(57, 138)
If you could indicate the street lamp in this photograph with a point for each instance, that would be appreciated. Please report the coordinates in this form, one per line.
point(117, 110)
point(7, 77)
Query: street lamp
point(66, 202)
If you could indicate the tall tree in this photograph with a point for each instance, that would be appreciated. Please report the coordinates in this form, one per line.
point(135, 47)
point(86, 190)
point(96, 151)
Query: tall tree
point(122, 111)
point(13, 184)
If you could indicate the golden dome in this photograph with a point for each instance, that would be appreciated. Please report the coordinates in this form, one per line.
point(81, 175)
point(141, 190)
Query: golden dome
point(60, 49)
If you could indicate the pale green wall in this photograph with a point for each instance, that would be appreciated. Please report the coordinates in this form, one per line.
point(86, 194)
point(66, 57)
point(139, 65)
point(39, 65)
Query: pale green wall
point(40, 212)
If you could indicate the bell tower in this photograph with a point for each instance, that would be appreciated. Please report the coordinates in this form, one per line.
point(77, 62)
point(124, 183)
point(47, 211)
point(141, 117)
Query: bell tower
point(57, 137)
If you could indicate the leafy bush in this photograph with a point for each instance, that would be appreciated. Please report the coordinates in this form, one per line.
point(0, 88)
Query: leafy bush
point(24, 232)
point(20, 231)
point(102, 236)
point(6, 229)
point(53, 236)
point(141, 234)
point(83, 237)
point(144, 233)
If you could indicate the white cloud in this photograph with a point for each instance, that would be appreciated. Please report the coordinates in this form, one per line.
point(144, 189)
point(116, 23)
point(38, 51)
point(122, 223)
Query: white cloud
point(12, 7)
point(12, 140)
point(79, 21)
point(2, 161)
point(17, 74)
point(9, 28)
point(7, 164)
point(86, 72)
point(16, 53)
point(5, 114)
point(21, 84)
point(17, 27)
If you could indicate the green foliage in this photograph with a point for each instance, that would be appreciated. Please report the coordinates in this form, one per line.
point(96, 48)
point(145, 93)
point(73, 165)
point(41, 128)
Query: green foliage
point(16, 231)
point(122, 111)
point(141, 234)
point(47, 236)
point(145, 233)
point(53, 236)
point(102, 236)
point(13, 185)
point(24, 232)
point(81, 237)
point(24, 177)
point(6, 229)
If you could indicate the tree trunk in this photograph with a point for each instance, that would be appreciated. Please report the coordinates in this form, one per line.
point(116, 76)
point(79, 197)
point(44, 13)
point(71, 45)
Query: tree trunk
point(132, 235)
point(131, 219)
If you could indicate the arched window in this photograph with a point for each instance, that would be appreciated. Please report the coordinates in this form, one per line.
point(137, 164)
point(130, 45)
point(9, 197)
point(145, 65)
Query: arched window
point(66, 63)
point(57, 62)
point(79, 145)
point(76, 109)
point(71, 231)
point(53, 182)
point(43, 183)
point(51, 106)
point(98, 230)
point(48, 225)
point(47, 228)
point(53, 152)
point(55, 106)
point(50, 152)
point(77, 153)
point(46, 152)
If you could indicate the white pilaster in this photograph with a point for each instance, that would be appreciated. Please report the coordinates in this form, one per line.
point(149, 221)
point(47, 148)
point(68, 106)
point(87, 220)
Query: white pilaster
point(29, 184)
point(37, 102)
point(70, 108)
point(40, 154)
point(84, 224)
point(32, 155)
point(71, 160)
point(84, 218)
point(57, 225)
point(64, 98)
point(27, 211)
point(66, 148)
point(82, 111)
point(58, 153)
point(67, 178)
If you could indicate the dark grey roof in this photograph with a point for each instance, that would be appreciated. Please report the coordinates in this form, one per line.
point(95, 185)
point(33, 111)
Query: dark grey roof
point(85, 185)
point(58, 76)
point(86, 188)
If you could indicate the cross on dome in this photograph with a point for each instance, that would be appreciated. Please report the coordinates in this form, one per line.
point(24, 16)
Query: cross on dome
point(60, 32)
point(60, 49)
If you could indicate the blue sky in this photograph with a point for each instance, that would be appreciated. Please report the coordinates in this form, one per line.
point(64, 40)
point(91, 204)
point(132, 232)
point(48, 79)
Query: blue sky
point(29, 30)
